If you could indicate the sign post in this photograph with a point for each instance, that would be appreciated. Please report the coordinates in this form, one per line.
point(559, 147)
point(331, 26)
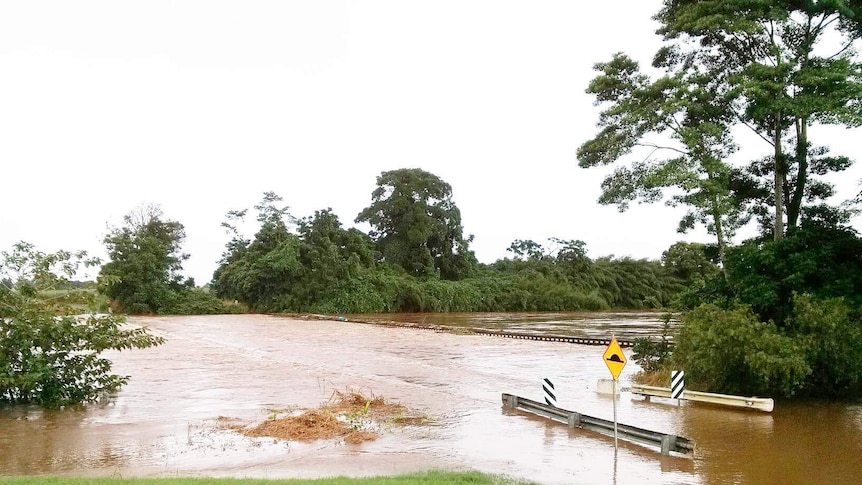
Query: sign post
point(615, 359)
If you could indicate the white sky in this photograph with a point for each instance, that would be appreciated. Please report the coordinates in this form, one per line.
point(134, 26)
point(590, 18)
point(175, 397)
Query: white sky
point(201, 106)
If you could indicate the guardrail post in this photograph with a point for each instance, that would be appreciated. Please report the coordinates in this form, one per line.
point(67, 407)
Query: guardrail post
point(574, 420)
point(668, 442)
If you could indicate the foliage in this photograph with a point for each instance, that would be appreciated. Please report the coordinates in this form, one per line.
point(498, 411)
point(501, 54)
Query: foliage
point(817, 351)
point(417, 226)
point(832, 338)
point(689, 262)
point(634, 284)
point(654, 355)
point(49, 355)
point(777, 60)
point(321, 267)
point(261, 271)
point(143, 274)
point(808, 287)
point(824, 261)
point(282, 271)
point(731, 351)
point(686, 106)
point(329, 255)
point(202, 301)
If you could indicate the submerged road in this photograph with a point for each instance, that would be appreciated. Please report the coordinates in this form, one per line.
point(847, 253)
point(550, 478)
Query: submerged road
point(245, 366)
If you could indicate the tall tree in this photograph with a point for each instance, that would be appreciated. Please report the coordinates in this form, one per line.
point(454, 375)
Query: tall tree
point(260, 271)
point(683, 118)
point(144, 271)
point(330, 256)
point(417, 226)
point(792, 64)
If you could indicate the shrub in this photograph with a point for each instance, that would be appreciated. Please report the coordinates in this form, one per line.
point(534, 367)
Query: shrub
point(49, 355)
point(654, 355)
point(832, 339)
point(201, 301)
point(730, 351)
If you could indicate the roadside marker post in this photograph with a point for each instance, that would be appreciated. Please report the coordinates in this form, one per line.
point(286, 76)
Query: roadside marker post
point(677, 384)
point(615, 359)
point(550, 392)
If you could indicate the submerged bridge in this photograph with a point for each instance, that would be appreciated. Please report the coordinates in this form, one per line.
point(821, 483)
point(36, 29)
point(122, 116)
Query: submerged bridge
point(492, 333)
point(553, 338)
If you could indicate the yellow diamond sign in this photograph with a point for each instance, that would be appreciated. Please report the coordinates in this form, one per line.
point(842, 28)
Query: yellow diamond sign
point(615, 359)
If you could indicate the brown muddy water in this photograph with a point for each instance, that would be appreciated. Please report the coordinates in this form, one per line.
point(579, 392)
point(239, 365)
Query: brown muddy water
point(599, 325)
point(244, 366)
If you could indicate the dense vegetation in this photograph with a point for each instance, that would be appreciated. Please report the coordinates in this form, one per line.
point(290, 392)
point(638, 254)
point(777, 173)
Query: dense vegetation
point(49, 355)
point(416, 259)
point(784, 316)
point(144, 275)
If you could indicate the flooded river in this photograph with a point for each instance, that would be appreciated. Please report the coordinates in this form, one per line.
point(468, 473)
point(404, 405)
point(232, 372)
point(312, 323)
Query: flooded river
point(244, 366)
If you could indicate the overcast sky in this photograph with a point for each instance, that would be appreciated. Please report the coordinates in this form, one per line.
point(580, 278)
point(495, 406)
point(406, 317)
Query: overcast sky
point(201, 106)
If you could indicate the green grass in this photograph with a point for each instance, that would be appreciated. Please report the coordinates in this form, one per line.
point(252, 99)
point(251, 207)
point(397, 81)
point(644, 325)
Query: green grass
point(424, 478)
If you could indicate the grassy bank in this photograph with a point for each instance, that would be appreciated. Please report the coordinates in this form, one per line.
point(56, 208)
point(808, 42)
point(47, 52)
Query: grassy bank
point(424, 478)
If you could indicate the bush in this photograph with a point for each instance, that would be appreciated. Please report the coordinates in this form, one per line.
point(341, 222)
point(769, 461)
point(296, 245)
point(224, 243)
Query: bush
point(49, 355)
point(823, 261)
point(201, 301)
point(654, 355)
point(730, 351)
point(832, 338)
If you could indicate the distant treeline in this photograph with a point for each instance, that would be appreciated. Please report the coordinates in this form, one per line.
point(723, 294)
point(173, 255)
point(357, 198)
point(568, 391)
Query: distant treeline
point(416, 260)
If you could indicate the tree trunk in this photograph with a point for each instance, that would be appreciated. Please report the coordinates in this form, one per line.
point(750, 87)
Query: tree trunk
point(794, 208)
point(778, 232)
point(719, 234)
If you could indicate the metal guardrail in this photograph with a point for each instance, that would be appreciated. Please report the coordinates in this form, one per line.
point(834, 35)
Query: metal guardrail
point(764, 404)
point(666, 442)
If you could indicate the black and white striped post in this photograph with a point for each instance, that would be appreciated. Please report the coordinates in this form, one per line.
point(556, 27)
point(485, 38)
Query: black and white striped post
point(677, 384)
point(550, 392)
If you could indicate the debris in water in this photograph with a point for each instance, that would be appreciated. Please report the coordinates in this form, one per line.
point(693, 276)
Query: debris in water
point(350, 415)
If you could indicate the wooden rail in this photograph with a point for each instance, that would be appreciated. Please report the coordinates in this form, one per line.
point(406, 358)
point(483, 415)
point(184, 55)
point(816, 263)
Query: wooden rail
point(667, 443)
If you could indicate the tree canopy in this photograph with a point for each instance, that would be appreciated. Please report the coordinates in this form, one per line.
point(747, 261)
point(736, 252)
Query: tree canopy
point(690, 110)
point(144, 271)
point(765, 65)
point(49, 354)
point(417, 226)
point(789, 65)
point(314, 264)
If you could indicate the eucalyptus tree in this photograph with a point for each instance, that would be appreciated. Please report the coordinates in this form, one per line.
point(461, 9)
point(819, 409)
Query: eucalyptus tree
point(417, 226)
point(684, 119)
point(792, 64)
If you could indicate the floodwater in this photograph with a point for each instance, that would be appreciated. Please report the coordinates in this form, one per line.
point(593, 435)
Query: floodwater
point(244, 366)
point(626, 325)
